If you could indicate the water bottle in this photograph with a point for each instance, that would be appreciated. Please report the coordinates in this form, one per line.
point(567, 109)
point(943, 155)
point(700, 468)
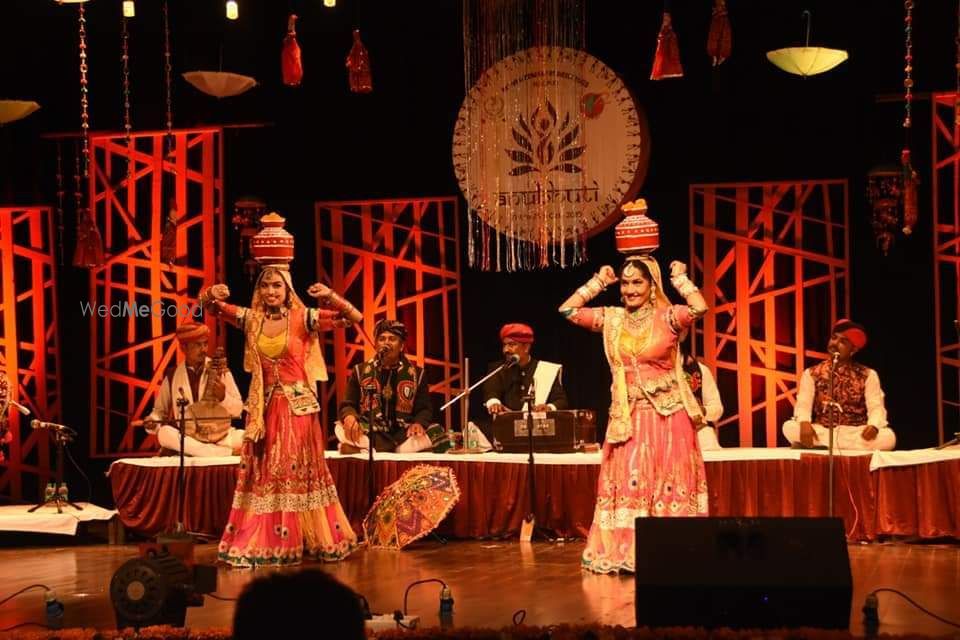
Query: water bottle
point(48, 492)
point(471, 437)
point(54, 610)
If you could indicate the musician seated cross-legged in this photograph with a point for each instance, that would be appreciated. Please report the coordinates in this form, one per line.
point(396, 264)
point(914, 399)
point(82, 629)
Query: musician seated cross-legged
point(400, 398)
point(857, 404)
point(212, 397)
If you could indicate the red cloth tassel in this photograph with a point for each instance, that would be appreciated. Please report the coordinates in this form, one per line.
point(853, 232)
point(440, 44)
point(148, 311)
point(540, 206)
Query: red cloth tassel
point(720, 38)
point(666, 61)
point(89, 251)
point(910, 182)
point(358, 63)
point(290, 61)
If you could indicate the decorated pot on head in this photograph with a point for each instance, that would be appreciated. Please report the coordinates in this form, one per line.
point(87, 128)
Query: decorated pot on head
point(272, 245)
point(636, 234)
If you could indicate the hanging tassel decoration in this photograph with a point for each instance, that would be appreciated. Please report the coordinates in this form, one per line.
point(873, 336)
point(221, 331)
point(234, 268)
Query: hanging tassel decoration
point(89, 250)
point(168, 239)
point(910, 182)
point(720, 38)
point(358, 64)
point(666, 61)
point(291, 63)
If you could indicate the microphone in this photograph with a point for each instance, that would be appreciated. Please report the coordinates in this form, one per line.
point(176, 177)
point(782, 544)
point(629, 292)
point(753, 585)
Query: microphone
point(511, 360)
point(381, 351)
point(40, 424)
point(836, 357)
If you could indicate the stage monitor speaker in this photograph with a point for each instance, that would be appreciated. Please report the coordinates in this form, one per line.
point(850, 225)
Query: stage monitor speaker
point(742, 573)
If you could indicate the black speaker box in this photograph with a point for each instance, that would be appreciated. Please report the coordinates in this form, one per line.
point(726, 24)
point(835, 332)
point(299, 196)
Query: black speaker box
point(742, 573)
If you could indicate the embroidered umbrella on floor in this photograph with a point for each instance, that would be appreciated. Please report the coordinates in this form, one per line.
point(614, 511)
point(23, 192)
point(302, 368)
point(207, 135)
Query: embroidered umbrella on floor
point(411, 507)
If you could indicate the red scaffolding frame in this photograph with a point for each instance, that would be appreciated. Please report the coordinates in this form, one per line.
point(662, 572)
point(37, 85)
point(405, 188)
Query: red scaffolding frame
point(29, 343)
point(773, 258)
point(183, 174)
point(397, 259)
point(945, 148)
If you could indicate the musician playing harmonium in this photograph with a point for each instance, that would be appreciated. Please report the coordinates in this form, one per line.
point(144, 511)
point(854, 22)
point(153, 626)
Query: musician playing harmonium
point(212, 396)
point(504, 391)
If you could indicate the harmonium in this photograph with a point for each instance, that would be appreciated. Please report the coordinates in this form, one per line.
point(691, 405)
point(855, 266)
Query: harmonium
point(553, 431)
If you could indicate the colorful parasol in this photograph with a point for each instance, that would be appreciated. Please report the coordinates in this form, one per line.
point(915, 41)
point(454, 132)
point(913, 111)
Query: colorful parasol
point(411, 507)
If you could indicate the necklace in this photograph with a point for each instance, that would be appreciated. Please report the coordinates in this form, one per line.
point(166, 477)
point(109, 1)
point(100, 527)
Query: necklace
point(275, 315)
point(639, 320)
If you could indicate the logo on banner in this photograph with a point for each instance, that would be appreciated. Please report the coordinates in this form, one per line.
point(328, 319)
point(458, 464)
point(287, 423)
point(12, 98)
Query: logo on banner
point(548, 144)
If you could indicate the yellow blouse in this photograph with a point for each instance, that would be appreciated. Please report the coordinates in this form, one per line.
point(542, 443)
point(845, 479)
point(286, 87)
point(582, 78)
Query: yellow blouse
point(272, 347)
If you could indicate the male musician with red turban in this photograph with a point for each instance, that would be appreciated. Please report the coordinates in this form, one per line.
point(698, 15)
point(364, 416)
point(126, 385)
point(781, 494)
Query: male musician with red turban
point(192, 377)
point(859, 413)
point(504, 391)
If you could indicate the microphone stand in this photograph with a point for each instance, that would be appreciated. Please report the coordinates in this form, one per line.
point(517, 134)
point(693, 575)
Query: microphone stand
point(61, 437)
point(529, 528)
point(179, 530)
point(831, 426)
point(506, 365)
point(371, 392)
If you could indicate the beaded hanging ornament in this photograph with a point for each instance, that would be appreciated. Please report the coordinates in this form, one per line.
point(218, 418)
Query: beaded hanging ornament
point(910, 177)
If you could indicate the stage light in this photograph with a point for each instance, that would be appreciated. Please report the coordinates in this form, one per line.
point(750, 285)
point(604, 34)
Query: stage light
point(329, 3)
point(129, 9)
point(232, 10)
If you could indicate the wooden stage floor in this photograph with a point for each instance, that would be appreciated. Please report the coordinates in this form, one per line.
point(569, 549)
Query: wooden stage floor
point(490, 580)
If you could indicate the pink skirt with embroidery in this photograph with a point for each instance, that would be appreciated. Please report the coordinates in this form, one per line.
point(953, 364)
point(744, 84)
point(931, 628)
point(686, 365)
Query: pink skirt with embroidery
point(285, 503)
point(658, 472)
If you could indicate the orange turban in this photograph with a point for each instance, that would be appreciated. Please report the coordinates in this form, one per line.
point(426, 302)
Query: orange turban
point(516, 332)
point(852, 331)
point(192, 332)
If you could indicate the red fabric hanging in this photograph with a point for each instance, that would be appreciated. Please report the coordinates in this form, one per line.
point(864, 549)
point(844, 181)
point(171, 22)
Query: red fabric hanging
point(89, 250)
point(290, 61)
point(666, 61)
point(358, 63)
point(720, 38)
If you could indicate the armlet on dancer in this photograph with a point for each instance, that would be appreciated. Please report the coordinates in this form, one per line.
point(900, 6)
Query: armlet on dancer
point(573, 310)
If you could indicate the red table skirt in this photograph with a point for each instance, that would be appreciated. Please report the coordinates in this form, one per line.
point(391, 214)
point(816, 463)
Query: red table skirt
point(921, 500)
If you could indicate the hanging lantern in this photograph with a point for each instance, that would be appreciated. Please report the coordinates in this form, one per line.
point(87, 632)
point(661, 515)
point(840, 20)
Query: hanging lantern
point(884, 192)
point(807, 60)
point(220, 84)
point(291, 64)
point(329, 3)
point(13, 110)
point(358, 63)
point(666, 60)
point(129, 9)
point(233, 11)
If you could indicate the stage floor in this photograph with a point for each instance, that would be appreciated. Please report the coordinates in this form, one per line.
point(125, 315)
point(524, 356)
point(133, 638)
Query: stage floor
point(489, 580)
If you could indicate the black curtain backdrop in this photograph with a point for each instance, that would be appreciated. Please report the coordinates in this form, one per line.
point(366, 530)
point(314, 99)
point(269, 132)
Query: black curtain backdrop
point(745, 121)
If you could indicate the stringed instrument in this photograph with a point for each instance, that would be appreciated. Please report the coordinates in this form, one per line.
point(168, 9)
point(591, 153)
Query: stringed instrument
point(207, 420)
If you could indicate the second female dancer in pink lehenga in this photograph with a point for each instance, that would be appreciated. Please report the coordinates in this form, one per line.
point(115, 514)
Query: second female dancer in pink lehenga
point(651, 464)
point(285, 502)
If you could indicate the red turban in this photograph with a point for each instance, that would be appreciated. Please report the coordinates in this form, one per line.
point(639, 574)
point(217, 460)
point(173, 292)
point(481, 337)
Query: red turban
point(192, 332)
point(852, 331)
point(516, 332)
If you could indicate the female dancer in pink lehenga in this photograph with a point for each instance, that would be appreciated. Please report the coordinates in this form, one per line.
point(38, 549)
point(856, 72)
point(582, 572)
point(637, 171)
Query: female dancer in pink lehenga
point(651, 463)
point(285, 500)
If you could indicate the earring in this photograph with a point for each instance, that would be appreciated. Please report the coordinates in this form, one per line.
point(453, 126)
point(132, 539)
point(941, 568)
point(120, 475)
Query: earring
point(653, 294)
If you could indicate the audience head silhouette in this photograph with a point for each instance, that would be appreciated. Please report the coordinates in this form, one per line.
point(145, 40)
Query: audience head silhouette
point(282, 605)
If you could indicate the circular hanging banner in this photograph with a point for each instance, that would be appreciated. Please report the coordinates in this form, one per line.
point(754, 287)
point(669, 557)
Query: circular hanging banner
point(548, 144)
